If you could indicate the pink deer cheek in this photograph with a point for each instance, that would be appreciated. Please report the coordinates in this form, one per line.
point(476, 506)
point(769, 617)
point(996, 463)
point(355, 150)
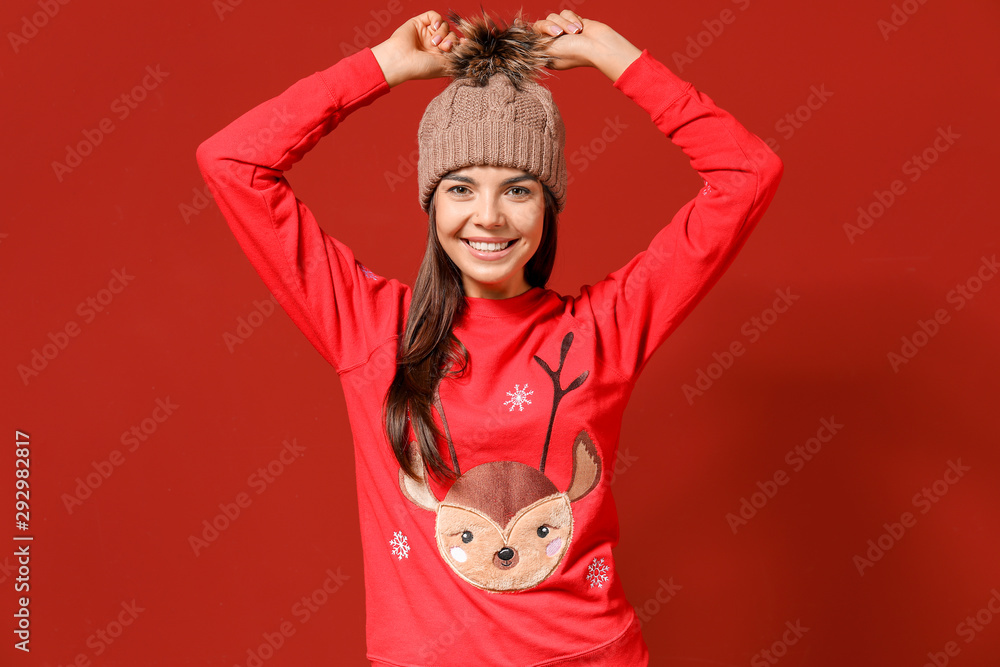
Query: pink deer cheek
point(553, 547)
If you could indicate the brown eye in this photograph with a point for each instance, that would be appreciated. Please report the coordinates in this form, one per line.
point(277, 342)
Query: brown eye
point(467, 537)
point(543, 531)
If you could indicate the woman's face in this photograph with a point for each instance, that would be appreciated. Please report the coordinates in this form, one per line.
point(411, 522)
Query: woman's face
point(490, 205)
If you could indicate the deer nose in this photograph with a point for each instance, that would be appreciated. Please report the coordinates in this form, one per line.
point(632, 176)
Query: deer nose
point(506, 558)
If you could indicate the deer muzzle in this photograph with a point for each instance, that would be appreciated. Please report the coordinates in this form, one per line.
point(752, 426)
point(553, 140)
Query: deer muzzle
point(506, 558)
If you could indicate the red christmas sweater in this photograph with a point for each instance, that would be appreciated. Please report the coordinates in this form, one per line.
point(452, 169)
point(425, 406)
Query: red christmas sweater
point(512, 564)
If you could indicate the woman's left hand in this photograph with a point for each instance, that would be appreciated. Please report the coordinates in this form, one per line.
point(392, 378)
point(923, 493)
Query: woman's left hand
point(584, 42)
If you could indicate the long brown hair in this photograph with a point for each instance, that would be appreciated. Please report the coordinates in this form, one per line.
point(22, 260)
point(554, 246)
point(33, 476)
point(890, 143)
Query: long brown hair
point(429, 348)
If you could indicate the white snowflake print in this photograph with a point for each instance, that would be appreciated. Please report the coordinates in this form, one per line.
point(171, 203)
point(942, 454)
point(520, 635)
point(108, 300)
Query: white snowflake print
point(400, 549)
point(708, 188)
point(597, 573)
point(519, 397)
point(365, 270)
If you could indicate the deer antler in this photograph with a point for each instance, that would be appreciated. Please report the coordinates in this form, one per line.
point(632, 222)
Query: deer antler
point(559, 392)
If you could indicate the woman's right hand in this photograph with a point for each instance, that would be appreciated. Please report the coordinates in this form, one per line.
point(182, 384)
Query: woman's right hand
point(587, 43)
point(415, 49)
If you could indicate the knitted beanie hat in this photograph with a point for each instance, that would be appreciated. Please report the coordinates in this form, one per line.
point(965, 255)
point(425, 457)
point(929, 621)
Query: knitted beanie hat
point(493, 112)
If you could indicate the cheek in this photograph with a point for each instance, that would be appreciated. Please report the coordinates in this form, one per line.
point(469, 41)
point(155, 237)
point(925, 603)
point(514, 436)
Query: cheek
point(557, 542)
point(542, 551)
point(473, 560)
point(533, 229)
point(446, 227)
point(553, 547)
point(468, 557)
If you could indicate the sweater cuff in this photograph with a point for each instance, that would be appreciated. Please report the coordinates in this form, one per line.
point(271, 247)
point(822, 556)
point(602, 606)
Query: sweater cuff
point(651, 84)
point(354, 81)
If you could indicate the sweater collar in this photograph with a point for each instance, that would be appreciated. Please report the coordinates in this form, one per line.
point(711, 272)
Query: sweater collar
point(477, 307)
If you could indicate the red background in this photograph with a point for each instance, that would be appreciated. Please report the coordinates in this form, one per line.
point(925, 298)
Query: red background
point(689, 463)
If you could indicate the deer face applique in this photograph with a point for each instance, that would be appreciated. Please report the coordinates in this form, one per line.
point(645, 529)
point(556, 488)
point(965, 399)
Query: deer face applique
point(504, 526)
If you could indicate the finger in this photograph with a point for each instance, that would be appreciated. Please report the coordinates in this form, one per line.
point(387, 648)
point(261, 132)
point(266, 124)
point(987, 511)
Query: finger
point(452, 41)
point(445, 37)
point(439, 32)
point(573, 18)
point(429, 18)
point(556, 25)
point(548, 28)
point(427, 22)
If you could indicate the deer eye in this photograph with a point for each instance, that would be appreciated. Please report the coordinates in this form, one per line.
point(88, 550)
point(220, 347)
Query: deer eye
point(467, 536)
point(543, 531)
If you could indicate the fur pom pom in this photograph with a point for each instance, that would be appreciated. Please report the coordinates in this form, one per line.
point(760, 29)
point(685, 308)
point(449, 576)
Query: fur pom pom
point(514, 50)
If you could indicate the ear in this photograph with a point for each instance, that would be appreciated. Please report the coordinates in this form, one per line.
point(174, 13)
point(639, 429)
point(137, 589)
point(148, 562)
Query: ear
point(586, 467)
point(417, 491)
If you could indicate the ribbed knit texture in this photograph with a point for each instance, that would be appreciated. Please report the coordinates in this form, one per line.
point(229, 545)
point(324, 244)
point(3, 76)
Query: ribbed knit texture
point(495, 125)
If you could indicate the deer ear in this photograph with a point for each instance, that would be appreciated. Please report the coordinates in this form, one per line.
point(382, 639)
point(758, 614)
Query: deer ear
point(586, 467)
point(417, 491)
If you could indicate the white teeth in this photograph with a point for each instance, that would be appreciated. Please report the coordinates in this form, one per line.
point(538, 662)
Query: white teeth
point(488, 247)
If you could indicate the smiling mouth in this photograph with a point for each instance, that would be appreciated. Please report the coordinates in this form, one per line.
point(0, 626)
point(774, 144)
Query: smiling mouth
point(490, 247)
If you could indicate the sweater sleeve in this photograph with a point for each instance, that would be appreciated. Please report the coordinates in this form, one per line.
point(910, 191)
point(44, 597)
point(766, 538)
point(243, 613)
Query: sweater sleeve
point(344, 309)
point(635, 308)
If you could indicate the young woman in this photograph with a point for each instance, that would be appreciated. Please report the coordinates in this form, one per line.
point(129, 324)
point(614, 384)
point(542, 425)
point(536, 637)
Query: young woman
point(486, 408)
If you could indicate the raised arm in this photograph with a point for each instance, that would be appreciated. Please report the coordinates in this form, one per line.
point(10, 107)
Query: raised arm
point(636, 307)
point(343, 308)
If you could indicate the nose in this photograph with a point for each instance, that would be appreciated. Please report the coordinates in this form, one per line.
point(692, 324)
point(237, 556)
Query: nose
point(506, 558)
point(488, 212)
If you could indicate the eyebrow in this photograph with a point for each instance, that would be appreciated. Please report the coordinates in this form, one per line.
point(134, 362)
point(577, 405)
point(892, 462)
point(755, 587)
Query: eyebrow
point(466, 179)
